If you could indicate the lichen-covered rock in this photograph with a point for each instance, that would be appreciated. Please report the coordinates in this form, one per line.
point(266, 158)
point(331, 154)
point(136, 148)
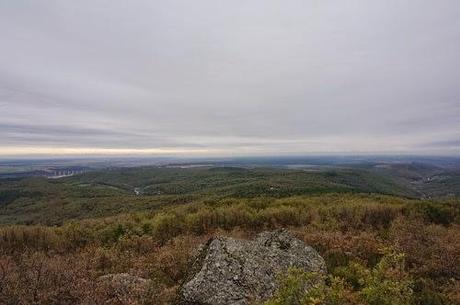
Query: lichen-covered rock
point(233, 271)
point(123, 287)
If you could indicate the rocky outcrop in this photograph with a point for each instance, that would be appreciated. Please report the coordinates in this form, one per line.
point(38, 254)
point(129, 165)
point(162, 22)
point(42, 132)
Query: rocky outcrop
point(233, 271)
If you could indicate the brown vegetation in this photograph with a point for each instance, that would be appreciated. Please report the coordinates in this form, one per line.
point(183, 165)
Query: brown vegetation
point(62, 265)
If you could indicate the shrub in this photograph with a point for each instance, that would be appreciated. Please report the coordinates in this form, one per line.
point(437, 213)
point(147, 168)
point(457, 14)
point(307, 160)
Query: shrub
point(386, 284)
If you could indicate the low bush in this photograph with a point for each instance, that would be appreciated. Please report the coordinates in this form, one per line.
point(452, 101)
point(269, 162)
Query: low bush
point(386, 284)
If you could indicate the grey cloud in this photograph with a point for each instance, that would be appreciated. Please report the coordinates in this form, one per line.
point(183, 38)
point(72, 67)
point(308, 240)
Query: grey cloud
point(455, 143)
point(15, 134)
point(265, 75)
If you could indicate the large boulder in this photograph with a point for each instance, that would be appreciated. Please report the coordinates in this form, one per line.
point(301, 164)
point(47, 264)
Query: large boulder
point(233, 271)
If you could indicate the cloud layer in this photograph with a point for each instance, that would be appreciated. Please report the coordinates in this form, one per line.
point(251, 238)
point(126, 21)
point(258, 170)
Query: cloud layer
point(229, 77)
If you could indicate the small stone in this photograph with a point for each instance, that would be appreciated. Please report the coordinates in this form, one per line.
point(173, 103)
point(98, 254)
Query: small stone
point(125, 286)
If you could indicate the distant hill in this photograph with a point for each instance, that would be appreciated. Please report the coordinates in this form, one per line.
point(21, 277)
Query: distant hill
point(112, 191)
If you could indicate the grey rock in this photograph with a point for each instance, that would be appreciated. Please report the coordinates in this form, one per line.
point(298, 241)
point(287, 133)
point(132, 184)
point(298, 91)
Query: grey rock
point(124, 286)
point(124, 280)
point(233, 271)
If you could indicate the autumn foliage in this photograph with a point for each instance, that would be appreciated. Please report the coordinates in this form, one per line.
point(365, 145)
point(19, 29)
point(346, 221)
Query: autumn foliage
point(379, 250)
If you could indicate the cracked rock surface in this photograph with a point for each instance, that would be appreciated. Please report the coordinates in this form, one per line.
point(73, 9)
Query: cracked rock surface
point(233, 271)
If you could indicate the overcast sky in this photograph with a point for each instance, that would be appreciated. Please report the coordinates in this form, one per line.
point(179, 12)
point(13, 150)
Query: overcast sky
point(229, 77)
